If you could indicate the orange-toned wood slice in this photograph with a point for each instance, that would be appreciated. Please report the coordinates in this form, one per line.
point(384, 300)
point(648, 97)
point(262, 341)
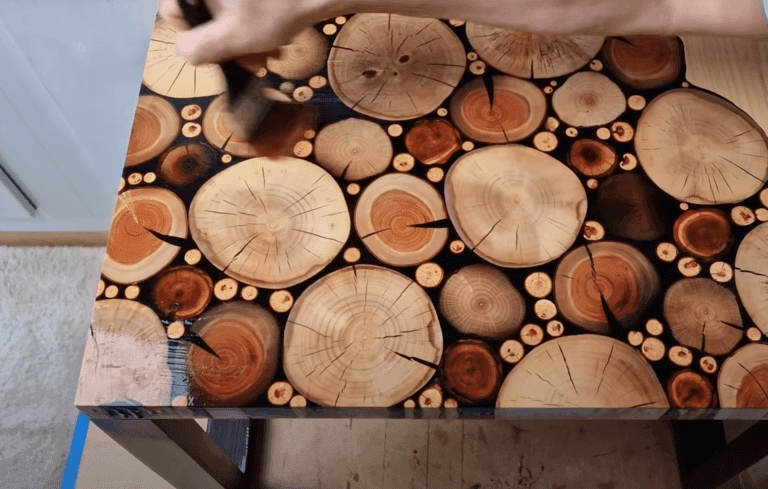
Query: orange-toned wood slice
point(592, 158)
point(182, 292)
point(353, 149)
point(644, 62)
point(743, 378)
point(471, 371)
point(752, 275)
point(302, 57)
point(185, 164)
point(631, 208)
point(155, 126)
point(433, 141)
point(690, 390)
point(704, 233)
point(589, 99)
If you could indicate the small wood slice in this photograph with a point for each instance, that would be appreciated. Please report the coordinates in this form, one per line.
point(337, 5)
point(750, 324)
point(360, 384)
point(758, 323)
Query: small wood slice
point(752, 275)
point(529, 55)
point(353, 149)
point(134, 178)
point(701, 149)
point(644, 62)
point(545, 141)
point(538, 284)
point(592, 158)
point(704, 233)
point(280, 393)
point(593, 231)
point(588, 99)
point(689, 390)
point(680, 355)
point(666, 252)
point(628, 162)
point(302, 57)
point(531, 334)
point(653, 349)
point(512, 351)
point(193, 257)
point(743, 378)
point(631, 208)
point(403, 162)
point(225, 289)
point(704, 315)
point(176, 330)
point(387, 214)
point(689, 267)
point(518, 110)
point(515, 206)
point(654, 327)
point(429, 275)
point(471, 371)
point(555, 328)
point(480, 300)
point(155, 126)
point(609, 272)
point(111, 292)
point(298, 402)
point(742, 215)
point(433, 141)
point(132, 292)
point(393, 67)
point(133, 253)
point(350, 342)
point(721, 272)
point(561, 373)
point(764, 197)
point(622, 132)
point(183, 165)
point(545, 309)
point(754, 334)
point(249, 293)
point(708, 364)
point(182, 292)
point(635, 338)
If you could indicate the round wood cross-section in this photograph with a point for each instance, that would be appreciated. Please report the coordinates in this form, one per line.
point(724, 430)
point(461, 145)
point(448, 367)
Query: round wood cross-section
point(183, 165)
point(302, 57)
point(387, 216)
point(704, 233)
point(433, 141)
point(515, 206)
point(592, 158)
point(752, 275)
point(480, 300)
point(362, 336)
point(471, 371)
point(701, 149)
point(182, 292)
point(588, 99)
point(133, 252)
point(155, 126)
point(743, 378)
point(353, 149)
point(562, 373)
point(689, 390)
point(602, 274)
point(644, 62)
point(270, 222)
point(394, 67)
point(633, 209)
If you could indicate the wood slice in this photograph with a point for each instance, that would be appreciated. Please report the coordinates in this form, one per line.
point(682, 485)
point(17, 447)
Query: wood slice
point(631, 208)
point(133, 253)
point(611, 272)
point(588, 99)
point(182, 292)
point(155, 126)
point(743, 378)
point(270, 222)
point(644, 62)
point(431, 397)
point(362, 336)
point(680, 355)
point(185, 164)
point(512, 351)
point(433, 141)
point(531, 334)
point(480, 300)
point(394, 67)
point(561, 373)
point(518, 110)
point(529, 55)
point(752, 275)
point(280, 393)
point(302, 57)
point(499, 195)
point(689, 390)
point(471, 371)
point(592, 158)
point(701, 149)
point(353, 149)
point(704, 233)
point(386, 216)
point(704, 315)
point(246, 339)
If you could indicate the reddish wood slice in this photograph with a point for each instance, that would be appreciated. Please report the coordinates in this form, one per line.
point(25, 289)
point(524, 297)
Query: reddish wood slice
point(433, 141)
point(743, 378)
point(704, 233)
point(155, 126)
point(644, 61)
point(471, 371)
point(633, 209)
point(689, 390)
point(183, 165)
point(593, 158)
point(182, 292)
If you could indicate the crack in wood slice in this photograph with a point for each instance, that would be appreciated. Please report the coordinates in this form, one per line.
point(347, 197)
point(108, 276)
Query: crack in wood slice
point(246, 339)
point(604, 282)
point(353, 149)
point(589, 99)
point(631, 208)
point(302, 57)
point(751, 267)
point(433, 141)
point(185, 164)
point(387, 215)
point(498, 196)
point(592, 158)
point(743, 378)
point(182, 292)
point(689, 390)
point(270, 222)
point(582, 371)
point(519, 108)
point(701, 149)
point(704, 233)
point(362, 336)
point(471, 371)
point(394, 67)
point(644, 62)
point(155, 126)
point(529, 55)
point(480, 300)
point(133, 253)
point(704, 315)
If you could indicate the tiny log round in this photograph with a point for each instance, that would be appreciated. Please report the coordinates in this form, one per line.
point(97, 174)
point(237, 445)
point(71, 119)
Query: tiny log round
point(442, 112)
point(150, 177)
point(432, 141)
point(100, 288)
point(451, 404)
point(395, 130)
point(302, 149)
point(303, 94)
point(281, 301)
point(249, 293)
point(721, 272)
point(754, 334)
point(180, 401)
point(531, 334)
point(191, 112)
point(317, 82)
point(603, 133)
point(592, 158)
point(176, 330)
point(467, 145)
point(298, 401)
point(593, 231)
point(545, 309)
point(409, 404)
point(704, 233)
point(538, 284)
point(551, 124)
point(622, 132)
point(688, 267)
point(155, 125)
point(708, 364)
point(477, 67)
point(644, 62)
point(764, 197)
point(512, 351)
point(353, 189)
point(435, 175)
point(111, 292)
point(742, 215)
point(545, 141)
point(628, 162)
point(280, 393)
point(571, 132)
point(353, 149)
point(636, 102)
point(654, 327)
point(403, 162)
point(689, 390)
point(134, 178)
point(666, 252)
point(653, 349)
point(226, 159)
point(131, 292)
point(225, 289)
point(743, 378)
point(185, 164)
point(193, 257)
point(429, 275)
point(680, 356)
point(431, 397)
point(351, 255)
point(182, 292)
point(555, 328)
point(121, 185)
point(635, 338)
point(303, 56)
point(457, 246)
point(761, 214)
point(471, 371)
point(191, 130)
point(588, 99)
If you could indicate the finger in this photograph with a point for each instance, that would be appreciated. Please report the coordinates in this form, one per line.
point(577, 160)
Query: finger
point(212, 42)
point(169, 9)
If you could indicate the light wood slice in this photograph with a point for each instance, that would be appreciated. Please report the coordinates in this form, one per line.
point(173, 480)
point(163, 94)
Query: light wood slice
point(302, 57)
point(246, 339)
point(182, 292)
point(433, 141)
point(280, 393)
point(752, 275)
point(471, 371)
point(592, 158)
point(644, 62)
point(480, 300)
point(701, 149)
point(270, 222)
point(529, 55)
point(353, 149)
point(704, 315)
point(133, 253)
point(588, 99)
point(704, 233)
point(155, 126)
point(185, 164)
point(561, 373)
point(611, 272)
point(519, 107)
point(387, 214)
point(362, 336)
point(743, 378)
point(515, 206)
point(431, 397)
point(689, 390)
point(633, 209)
point(394, 67)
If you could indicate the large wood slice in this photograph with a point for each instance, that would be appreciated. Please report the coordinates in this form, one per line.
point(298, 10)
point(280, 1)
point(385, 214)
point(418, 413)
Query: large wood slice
point(582, 371)
point(515, 206)
point(353, 149)
point(182, 292)
point(270, 222)
point(246, 339)
point(185, 164)
point(133, 253)
point(433, 141)
point(752, 275)
point(704, 233)
point(588, 99)
point(529, 55)
point(471, 371)
point(519, 107)
point(388, 213)
point(644, 61)
point(394, 67)
point(704, 315)
point(700, 148)
point(633, 209)
point(610, 273)
point(362, 336)
point(302, 57)
point(743, 378)
point(155, 126)
point(480, 300)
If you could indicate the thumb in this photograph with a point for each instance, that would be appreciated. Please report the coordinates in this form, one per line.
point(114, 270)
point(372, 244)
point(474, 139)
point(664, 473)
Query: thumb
point(213, 42)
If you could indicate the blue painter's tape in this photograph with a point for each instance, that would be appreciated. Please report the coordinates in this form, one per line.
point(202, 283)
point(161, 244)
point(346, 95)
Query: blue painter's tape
point(75, 453)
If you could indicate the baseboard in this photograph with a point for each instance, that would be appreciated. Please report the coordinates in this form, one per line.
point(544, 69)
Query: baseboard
point(41, 238)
